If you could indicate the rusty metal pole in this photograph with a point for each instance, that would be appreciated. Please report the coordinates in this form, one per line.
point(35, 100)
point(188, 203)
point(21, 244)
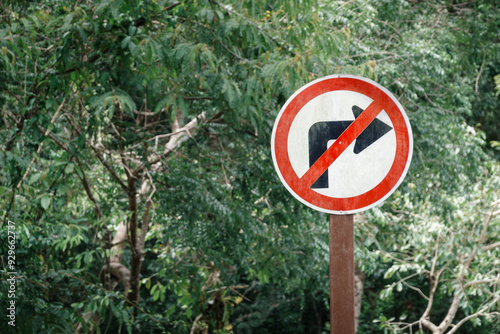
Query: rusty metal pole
point(341, 274)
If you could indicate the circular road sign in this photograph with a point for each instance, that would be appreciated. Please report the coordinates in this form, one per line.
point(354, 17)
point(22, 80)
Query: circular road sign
point(342, 144)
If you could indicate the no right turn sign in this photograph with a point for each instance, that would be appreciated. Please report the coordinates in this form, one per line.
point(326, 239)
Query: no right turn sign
point(342, 144)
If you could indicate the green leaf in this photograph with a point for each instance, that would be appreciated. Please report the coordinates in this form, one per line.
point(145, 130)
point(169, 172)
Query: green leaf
point(126, 319)
point(116, 312)
point(156, 295)
point(67, 21)
point(170, 311)
point(69, 168)
point(83, 34)
point(104, 78)
point(45, 201)
point(132, 29)
point(132, 46)
point(497, 84)
point(115, 8)
point(125, 42)
point(34, 178)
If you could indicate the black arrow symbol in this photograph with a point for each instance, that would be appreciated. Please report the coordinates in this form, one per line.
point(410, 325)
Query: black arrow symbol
point(320, 133)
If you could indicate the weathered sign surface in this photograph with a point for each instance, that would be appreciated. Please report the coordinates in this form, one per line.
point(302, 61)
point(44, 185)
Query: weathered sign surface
point(342, 144)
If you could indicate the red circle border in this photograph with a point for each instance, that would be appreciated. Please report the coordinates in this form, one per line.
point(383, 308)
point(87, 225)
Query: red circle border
point(349, 204)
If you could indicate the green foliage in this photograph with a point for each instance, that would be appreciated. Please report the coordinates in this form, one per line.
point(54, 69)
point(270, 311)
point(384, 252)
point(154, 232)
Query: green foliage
point(91, 90)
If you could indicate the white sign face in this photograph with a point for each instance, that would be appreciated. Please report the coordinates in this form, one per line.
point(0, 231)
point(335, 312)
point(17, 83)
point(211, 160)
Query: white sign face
point(342, 144)
point(358, 176)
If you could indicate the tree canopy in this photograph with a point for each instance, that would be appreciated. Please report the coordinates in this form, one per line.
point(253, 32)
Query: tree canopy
point(135, 165)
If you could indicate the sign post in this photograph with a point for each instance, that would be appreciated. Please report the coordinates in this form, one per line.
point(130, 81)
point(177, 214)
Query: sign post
point(342, 274)
point(342, 144)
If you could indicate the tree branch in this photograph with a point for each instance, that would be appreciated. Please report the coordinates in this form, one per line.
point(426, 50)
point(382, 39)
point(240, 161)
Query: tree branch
point(98, 154)
point(108, 167)
point(403, 280)
point(480, 281)
point(434, 280)
point(452, 311)
point(491, 246)
point(476, 314)
point(144, 228)
point(51, 136)
point(176, 138)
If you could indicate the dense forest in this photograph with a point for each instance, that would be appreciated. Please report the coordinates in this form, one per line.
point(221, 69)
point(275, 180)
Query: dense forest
point(138, 192)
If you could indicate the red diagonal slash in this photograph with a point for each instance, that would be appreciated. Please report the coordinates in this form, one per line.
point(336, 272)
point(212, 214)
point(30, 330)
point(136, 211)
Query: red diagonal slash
point(342, 142)
point(300, 185)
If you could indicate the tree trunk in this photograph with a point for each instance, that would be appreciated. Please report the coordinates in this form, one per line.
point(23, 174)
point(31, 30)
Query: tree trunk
point(128, 232)
point(118, 272)
point(135, 262)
